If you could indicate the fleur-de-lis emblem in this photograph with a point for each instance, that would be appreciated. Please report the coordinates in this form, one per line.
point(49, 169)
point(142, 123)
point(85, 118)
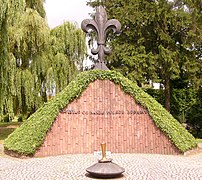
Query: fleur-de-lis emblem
point(101, 26)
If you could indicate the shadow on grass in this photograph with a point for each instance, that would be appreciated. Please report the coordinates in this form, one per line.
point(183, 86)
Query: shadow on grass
point(4, 132)
point(6, 129)
point(7, 124)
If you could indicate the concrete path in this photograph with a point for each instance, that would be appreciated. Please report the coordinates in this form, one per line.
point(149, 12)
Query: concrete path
point(70, 167)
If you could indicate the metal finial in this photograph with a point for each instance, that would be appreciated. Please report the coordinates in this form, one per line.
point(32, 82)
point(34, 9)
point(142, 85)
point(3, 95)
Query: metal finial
point(101, 25)
point(104, 154)
point(103, 146)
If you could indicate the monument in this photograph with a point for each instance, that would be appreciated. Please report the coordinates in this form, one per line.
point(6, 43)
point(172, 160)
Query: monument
point(100, 106)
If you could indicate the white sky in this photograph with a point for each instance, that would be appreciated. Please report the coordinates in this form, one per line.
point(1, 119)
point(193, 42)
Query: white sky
point(57, 11)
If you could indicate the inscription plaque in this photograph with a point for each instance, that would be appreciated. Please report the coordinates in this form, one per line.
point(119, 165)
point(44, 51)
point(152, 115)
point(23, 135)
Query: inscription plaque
point(100, 112)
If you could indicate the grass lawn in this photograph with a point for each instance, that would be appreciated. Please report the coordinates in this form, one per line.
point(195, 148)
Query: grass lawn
point(6, 129)
point(199, 140)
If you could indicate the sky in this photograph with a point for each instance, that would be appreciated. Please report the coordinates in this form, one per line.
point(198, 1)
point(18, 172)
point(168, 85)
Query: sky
point(57, 11)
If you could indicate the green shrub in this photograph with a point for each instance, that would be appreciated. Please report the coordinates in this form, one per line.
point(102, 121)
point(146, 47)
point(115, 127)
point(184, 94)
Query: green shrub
point(29, 137)
point(194, 116)
point(20, 118)
point(182, 100)
point(157, 94)
point(5, 118)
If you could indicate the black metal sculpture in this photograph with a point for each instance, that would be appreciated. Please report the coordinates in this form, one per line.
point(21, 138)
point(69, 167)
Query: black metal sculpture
point(101, 26)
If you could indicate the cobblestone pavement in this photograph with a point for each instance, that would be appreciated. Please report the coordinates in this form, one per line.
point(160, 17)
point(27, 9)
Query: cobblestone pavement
point(137, 166)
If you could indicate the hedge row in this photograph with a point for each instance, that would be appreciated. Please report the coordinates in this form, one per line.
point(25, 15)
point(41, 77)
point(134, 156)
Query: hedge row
point(30, 135)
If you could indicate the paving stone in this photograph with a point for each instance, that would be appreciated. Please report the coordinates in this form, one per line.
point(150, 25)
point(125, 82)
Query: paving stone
point(137, 166)
point(200, 145)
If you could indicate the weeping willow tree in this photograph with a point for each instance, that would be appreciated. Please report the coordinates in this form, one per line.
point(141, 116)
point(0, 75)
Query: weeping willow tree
point(9, 12)
point(68, 51)
point(36, 5)
point(30, 45)
point(36, 61)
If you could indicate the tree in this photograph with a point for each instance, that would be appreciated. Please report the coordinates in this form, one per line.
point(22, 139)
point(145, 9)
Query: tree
point(36, 5)
point(194, 115)
point(9, 12)
point(195, 9)
point(38, 63)
point(30, 39)
point(68, 51)
point(157, 41)
point(129, 55)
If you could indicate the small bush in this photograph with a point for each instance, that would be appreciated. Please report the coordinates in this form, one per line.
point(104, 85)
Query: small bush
point(5, 118)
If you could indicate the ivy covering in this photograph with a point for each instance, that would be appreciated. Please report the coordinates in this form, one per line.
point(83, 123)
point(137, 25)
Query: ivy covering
point(26, 139)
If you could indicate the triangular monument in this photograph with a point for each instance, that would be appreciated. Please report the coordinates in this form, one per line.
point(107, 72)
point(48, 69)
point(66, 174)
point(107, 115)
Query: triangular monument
point(97, 106)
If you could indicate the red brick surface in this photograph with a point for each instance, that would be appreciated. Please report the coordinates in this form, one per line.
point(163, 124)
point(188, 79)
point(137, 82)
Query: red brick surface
point(104, 113)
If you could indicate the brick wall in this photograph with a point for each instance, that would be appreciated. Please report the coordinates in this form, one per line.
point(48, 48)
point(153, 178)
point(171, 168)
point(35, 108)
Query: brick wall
point(104, 113)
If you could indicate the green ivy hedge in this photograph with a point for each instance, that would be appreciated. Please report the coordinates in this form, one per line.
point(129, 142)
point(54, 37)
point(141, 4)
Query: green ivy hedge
point(26, 139)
